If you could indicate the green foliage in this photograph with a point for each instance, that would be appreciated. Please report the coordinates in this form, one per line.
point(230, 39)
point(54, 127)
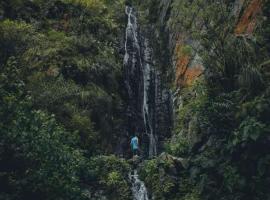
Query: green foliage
point(111, 174)
point(192, 196)
point(232, 178)
point(187, 50)
point(250, 79)
point(38, 157)
point(234, 135)
point(156, 175)
point(70, 63)
point(178, 145)
point(193, 101)
point(60, 99)
point(249, 129)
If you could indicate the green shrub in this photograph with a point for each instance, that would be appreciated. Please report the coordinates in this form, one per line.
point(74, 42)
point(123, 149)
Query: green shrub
point(38, 157)
point(155, 174)
point(111, 174)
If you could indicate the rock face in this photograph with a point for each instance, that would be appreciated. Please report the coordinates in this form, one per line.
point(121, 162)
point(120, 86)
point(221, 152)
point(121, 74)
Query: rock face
point(149, 110)
point(248, 20)
point(185, 58)
point(176, 161)
point(149, 102)
point(188, 65)
point(133, 73)
point(204, 120)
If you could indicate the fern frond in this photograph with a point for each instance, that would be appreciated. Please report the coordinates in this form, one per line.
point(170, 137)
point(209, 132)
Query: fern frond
point(250, 78)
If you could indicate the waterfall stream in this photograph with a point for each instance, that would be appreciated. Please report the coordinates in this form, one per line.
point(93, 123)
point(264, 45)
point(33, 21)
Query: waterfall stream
point(148, 119)
point(148, 101)
point(139, 190)
point(139, 81)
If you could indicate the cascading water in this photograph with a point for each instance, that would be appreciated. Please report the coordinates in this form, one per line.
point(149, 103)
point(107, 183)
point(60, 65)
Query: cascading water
point(132, 59)
point(148, 118)
point(133, 72)
point(148, 109)
point(139, 82)
point(139, 190)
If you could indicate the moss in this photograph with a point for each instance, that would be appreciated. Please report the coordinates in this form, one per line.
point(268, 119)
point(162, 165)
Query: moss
point(191, 113)
point(187, 50)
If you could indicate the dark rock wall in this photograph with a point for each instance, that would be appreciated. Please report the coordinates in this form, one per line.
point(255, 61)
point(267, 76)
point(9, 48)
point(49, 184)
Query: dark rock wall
point(149, 109)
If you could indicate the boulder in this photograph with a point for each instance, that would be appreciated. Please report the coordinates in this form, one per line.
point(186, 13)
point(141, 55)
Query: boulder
point(175, 160)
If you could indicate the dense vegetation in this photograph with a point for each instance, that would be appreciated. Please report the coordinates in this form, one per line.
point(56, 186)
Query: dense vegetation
point(62, 101)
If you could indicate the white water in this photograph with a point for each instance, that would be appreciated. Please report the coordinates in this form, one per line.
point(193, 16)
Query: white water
point(139, 190)
point(132, 34)
point(132, 57)
point(146, 114)
point(140, 57)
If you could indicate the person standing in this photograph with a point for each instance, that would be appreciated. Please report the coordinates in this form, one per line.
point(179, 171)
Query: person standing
point(134, 143)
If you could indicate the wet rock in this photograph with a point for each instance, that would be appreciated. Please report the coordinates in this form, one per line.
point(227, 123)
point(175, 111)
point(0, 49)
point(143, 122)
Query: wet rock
point(98, 195)
point(194, 135)
point(135, 161)
point(139, 190)
point(177, 161)
point(248, 20)
point(149, 111)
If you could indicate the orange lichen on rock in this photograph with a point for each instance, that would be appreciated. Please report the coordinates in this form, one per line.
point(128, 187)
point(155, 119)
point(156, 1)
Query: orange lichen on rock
point(52, 71)
point(247, 22)
point(184, 73)
point(182, 61)
point(181, 70)
point(192, 74)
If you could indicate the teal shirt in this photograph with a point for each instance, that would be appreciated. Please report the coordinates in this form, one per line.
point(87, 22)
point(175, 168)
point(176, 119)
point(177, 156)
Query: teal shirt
point(134, 143)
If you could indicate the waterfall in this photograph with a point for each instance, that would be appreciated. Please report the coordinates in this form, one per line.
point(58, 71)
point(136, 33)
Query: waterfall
point(148, 108)
point(138, 81)
point(148, 118)
point(133, 72)
point(148, 102)
point(139, 190)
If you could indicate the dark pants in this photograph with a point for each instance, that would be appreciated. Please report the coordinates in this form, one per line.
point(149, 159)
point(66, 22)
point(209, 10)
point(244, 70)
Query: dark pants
point(135, 152)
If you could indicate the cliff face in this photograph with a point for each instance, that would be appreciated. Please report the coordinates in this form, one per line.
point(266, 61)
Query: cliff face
point(215, 53)
point(248, 20)
point(180, 26)
point(187, 62)
point(149, 101)
point(188, 67)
